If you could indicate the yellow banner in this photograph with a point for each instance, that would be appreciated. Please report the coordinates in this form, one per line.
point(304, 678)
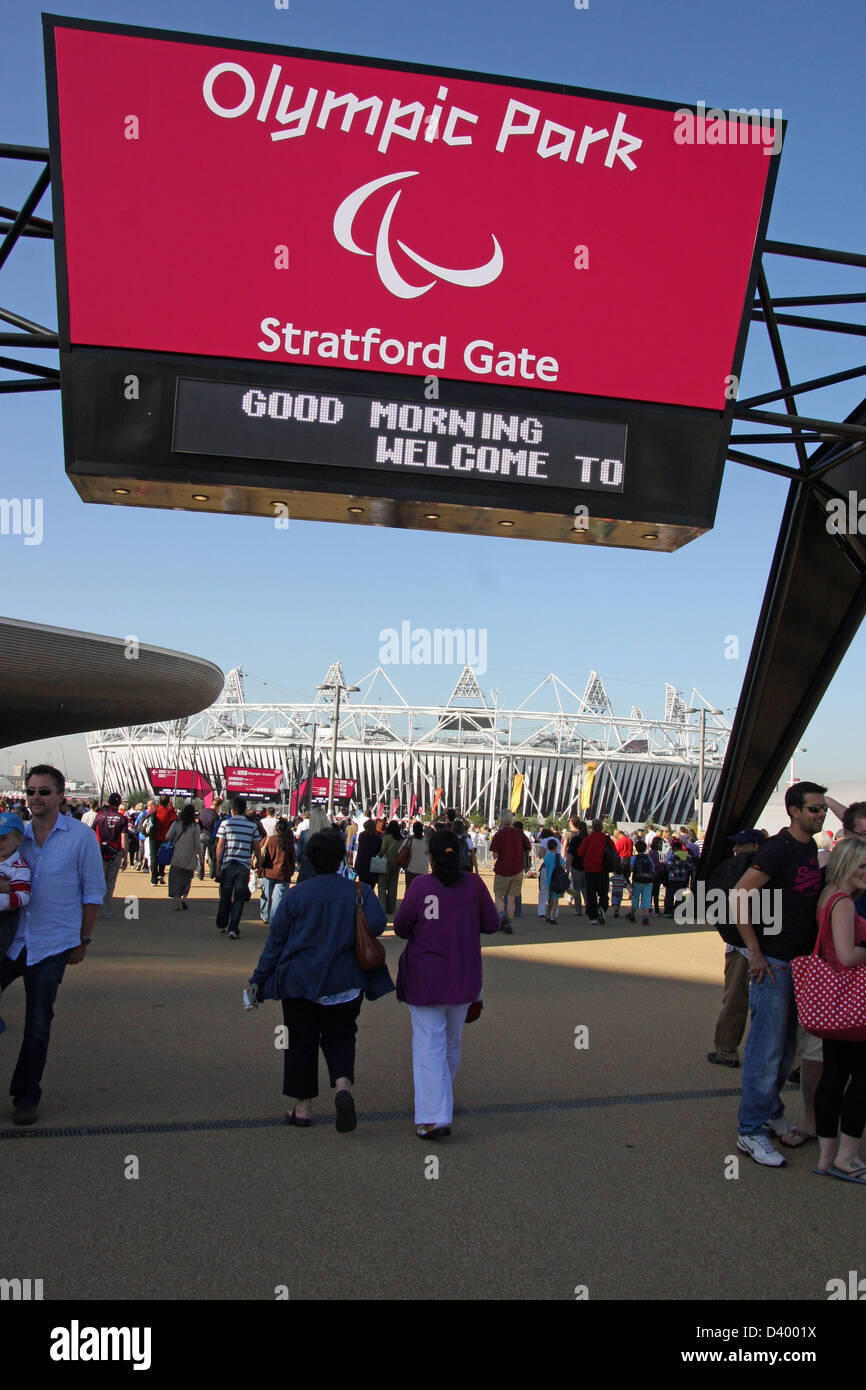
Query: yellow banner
point(517, 791)
point(586, 789)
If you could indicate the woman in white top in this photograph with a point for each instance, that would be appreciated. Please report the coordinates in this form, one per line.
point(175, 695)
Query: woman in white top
point(419, 853)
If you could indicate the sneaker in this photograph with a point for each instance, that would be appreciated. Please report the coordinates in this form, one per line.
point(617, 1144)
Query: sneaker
point(600, 918)
point(646, 921)
point(234, 935)
point(758, 1147)
point(506, 927)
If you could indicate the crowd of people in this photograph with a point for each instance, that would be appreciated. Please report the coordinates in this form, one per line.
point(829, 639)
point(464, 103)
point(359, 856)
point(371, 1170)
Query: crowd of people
point(59, 869)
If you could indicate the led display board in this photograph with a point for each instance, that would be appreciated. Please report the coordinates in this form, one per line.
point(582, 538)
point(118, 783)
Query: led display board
point(263, 782)
point(251, 237)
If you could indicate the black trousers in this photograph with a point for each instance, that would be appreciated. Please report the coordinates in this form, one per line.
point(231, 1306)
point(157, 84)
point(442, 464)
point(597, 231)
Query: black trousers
point(596, 893)
point(841, 1092)
point(331, 1027)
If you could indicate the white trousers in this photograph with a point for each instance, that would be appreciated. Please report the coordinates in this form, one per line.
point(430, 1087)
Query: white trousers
point(543, 893)
point(436, 1035)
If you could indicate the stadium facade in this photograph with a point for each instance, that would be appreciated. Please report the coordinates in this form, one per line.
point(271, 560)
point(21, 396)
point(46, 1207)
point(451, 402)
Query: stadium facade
point(572, 752)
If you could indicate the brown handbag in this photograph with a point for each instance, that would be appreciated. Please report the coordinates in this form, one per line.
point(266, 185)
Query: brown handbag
point(369, 951)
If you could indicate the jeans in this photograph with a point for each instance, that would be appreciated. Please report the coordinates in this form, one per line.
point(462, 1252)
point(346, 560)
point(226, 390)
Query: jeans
point(770, 1048)
point(153, 851)
point(41, 983)
point(207, 851)
point(578, 884)
point(111, 868)
point(234, 893)
point(267, 894)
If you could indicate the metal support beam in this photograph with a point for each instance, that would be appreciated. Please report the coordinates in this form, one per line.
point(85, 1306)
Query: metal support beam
point(30, 202)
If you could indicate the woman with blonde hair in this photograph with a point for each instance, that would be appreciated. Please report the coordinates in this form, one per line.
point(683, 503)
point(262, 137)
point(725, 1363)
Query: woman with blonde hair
point(840, 1098)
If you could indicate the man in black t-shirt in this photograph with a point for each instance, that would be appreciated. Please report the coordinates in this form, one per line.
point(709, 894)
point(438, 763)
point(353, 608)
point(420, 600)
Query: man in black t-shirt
point(777, 922)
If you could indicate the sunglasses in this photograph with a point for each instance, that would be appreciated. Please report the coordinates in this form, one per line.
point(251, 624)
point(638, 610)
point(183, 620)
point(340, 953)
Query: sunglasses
point(42, 791)
point(814, 810)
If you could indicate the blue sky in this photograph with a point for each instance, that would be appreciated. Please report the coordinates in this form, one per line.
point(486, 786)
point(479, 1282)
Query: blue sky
point(320, 593)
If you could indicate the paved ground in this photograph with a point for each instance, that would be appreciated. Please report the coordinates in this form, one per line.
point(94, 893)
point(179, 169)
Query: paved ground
point(604, 1166)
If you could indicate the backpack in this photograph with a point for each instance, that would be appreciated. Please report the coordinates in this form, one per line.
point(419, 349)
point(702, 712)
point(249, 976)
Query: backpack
point(642, 871)
point(559, 883)
point(726, 876)
point(111, 846)
point(148, 825)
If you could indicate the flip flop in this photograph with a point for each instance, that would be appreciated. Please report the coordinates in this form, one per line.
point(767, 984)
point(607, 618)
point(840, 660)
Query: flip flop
point(794, 1138)
point(858, 1176)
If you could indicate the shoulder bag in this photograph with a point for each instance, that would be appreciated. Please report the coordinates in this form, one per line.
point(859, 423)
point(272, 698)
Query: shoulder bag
point(830, 1003)
point(369, 951)
point(474, 1010)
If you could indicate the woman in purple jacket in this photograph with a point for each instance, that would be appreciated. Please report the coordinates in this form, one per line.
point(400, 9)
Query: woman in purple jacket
point(441, 918)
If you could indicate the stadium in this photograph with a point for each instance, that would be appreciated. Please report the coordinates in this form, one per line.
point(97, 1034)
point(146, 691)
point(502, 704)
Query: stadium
point(554, 753)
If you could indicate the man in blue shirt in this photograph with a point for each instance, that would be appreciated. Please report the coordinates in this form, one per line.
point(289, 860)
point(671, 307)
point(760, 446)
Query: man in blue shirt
point(66, 890)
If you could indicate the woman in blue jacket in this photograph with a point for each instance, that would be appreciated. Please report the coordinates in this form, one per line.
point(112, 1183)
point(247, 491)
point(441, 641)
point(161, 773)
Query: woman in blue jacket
point(309, 964)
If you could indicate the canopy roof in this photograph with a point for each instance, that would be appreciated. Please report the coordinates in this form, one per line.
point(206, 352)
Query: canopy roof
point(56, 682)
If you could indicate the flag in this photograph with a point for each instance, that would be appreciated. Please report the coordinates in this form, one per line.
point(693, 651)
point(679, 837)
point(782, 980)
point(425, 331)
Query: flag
point(517, 791)
point(586, 790)
point(439, 791)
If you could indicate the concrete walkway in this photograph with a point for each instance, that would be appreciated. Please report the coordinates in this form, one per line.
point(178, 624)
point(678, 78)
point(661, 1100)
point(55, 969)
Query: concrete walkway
point(605, 1166)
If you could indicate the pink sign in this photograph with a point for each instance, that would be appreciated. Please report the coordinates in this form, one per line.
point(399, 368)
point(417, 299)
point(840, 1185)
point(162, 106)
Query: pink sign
point(401, 221)
point(172, 781)
point(253, 781)
point(344, 790)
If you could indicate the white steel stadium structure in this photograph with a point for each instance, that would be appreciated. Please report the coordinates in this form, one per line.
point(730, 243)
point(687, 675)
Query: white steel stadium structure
point(572, 752)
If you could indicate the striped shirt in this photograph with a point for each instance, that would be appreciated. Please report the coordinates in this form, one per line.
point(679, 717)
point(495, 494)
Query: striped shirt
point(16, 870)
point(240, 835)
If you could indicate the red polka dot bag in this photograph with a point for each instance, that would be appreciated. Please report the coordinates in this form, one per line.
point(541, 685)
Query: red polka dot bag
point(830, 1003)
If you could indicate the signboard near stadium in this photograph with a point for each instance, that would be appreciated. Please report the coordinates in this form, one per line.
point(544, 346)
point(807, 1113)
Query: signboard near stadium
point(588, 312)
point(172, 781)
point(262, 782)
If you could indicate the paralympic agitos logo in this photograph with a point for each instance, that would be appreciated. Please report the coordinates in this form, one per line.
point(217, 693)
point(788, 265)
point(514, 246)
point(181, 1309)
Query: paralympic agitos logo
point(231, 92)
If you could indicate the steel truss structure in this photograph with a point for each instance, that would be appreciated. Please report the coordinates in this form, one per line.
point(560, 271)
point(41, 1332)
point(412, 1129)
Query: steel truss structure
point(471, 749)
point(816, 592)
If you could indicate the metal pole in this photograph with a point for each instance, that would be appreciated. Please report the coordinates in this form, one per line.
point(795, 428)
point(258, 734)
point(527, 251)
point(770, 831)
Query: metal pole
point(701, 774)
point(333, 755)
point(309, 796)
